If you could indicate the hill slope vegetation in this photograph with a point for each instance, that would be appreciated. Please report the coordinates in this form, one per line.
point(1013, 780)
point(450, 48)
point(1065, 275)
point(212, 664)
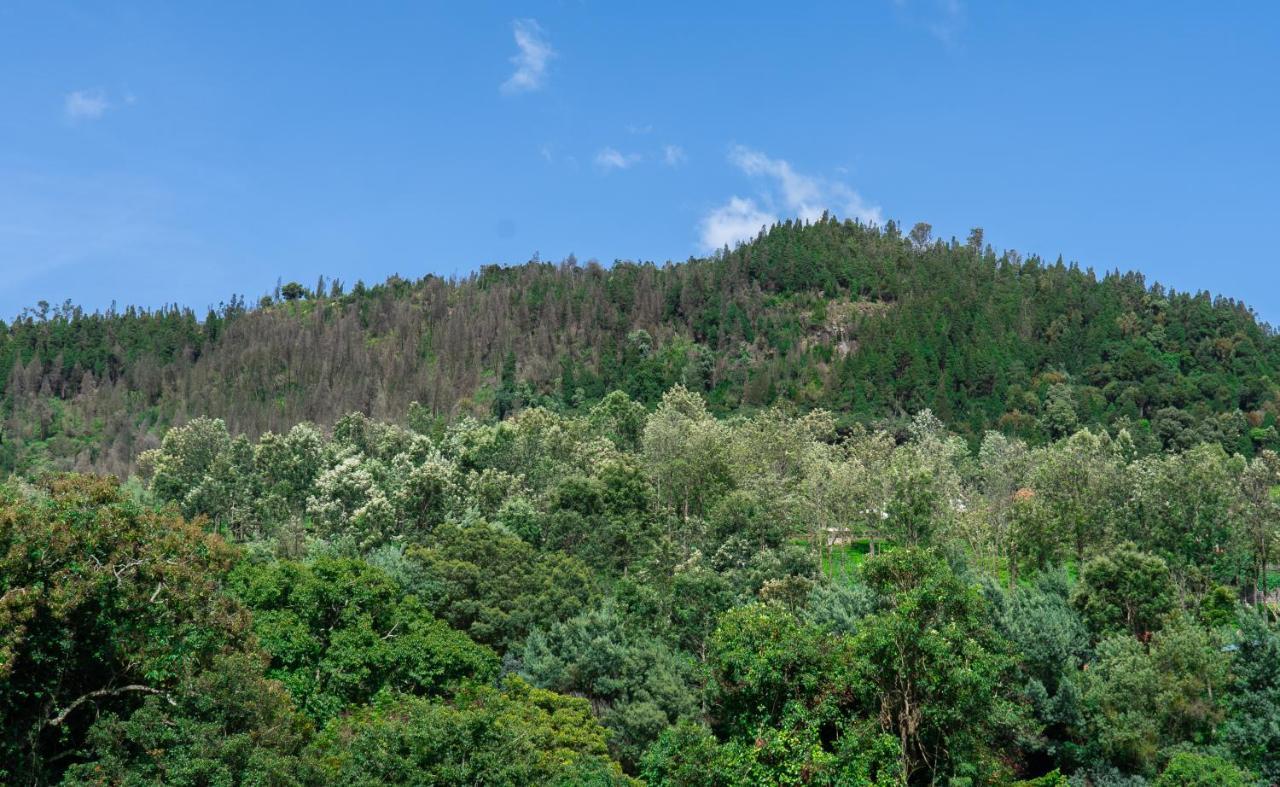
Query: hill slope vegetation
point(865, 322)
point(837, 507)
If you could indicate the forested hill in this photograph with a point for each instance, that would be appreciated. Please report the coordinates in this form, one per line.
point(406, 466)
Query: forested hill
point(867, 322)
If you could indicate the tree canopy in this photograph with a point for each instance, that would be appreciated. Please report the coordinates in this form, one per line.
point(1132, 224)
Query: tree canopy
point(836, 507)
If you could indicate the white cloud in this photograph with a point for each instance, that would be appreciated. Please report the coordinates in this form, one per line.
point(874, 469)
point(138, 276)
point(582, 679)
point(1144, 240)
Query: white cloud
point(633, 128)
point(610, 159)
point(532, 60)
point(801, 194)
point(795, 194)
point(805, 196)
point(733, 222)
point(86, 104)
point(673, 155)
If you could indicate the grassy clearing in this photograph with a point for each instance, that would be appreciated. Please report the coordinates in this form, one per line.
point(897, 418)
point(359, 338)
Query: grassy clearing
point(842, 561)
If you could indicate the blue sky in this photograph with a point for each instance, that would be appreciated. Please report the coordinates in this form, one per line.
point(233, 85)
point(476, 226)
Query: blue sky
point(182, 152)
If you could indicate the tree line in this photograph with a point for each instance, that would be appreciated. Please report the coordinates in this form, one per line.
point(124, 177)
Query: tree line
point(863, 321)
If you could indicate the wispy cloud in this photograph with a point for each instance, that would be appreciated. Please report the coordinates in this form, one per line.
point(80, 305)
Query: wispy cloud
point(635, 128)
point(790, 192)
point(673, 155)
point(609, 159)
point(85, 104)
point(733, 222)
point(532, 58)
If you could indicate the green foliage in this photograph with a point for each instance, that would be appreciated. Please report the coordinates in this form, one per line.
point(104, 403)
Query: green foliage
point(114, 636)
point(340, 631)
point(292, 291)
point(1140, 699)
point(861, 320)
point(1054, 644)
point(782, 596)
point(689, 756)
point(686, 451)
point(495, 586)
point(1127, 590)
point(186, 456)
point(637, 685)
point(514, 736)
point(1252, 728)
point(767, 667)
point(606, 519)
point(1188, 769)
point(1183, 501)
point(230, 726)
point(1052, 779)
point(934, 670)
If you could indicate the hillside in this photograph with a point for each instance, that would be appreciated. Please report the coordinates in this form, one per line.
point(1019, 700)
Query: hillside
point(1008, 523)
point(868, 323)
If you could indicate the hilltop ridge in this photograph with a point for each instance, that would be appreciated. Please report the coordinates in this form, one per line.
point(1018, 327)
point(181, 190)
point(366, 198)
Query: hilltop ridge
point(865, 321)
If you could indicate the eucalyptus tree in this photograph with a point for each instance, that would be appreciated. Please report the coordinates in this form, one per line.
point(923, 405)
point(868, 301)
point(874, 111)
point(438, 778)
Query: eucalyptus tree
point(1079, 483)
point(687, 452)
point(1183, 507)
point(1258, 515)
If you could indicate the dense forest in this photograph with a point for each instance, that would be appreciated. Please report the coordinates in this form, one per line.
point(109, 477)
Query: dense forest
point(863, 321)
point(835, 507)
